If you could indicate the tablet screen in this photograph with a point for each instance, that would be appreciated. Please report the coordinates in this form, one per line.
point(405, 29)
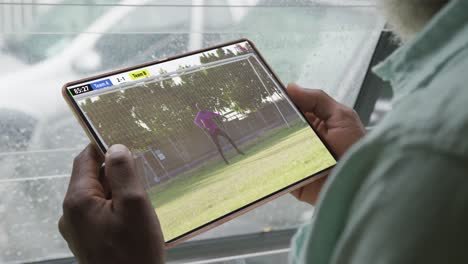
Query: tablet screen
point(214, 131)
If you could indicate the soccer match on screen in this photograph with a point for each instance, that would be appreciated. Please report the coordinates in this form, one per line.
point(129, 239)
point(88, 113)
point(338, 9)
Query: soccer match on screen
point(214, 132)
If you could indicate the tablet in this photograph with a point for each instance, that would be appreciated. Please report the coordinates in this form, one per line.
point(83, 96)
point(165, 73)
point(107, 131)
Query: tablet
point(214, 129)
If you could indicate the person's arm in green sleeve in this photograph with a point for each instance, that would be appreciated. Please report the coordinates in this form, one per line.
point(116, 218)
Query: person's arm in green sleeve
point(413, 208)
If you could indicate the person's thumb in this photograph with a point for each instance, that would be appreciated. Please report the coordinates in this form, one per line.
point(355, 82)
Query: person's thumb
point(312, 101)
point(121, 173)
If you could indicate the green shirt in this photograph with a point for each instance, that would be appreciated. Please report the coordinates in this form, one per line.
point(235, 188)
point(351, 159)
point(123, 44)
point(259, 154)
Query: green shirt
point(400, 195)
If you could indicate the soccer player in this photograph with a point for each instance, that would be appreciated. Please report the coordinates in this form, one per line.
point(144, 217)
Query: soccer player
point(204, 120)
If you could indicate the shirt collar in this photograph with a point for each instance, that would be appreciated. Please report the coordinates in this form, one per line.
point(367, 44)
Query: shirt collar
point(415, 63)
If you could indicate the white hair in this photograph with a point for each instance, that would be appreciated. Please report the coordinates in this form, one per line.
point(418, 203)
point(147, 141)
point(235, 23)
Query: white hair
point(408, 17)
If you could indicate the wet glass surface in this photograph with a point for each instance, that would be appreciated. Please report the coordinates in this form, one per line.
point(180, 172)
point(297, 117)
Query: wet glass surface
point(319, 44)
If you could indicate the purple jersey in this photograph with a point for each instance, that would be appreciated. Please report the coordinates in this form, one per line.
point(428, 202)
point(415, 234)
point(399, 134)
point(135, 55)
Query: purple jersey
point(204, 119)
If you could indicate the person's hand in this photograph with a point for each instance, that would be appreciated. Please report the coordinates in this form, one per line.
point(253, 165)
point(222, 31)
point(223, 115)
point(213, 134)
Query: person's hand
point(108, 218)
point(337, 124)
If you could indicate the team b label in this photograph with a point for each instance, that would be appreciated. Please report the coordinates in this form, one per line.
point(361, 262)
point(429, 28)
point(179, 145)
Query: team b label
point(101, 84)
point(139, 74)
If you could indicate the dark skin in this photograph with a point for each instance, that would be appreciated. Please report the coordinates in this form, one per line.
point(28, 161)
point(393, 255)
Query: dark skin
point(108, 217)
point(336, 123)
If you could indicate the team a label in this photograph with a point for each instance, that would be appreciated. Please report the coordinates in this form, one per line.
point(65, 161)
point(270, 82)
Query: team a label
point(139, 74)
point(101, 84)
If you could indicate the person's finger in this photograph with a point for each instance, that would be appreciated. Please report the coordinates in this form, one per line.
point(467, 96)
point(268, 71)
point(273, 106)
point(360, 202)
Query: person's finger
point(121, 172)
point(65, 232)
point(310, 192)
point(311, 117)
point(63, 229)
point(85, 173)
point(105, 183)
point(297, 193)
point(318, 124)
point(322, 128)
point(315, 101)
point(140, 168)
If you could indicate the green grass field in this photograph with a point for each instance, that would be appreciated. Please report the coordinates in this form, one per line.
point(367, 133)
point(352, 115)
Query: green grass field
point(279, 159)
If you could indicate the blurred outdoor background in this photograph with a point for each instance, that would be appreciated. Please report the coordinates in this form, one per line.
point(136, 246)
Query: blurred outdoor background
point(326, 44)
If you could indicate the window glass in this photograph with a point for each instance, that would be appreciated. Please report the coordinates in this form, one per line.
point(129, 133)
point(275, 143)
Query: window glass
point(69, 19)
point(318, 43)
